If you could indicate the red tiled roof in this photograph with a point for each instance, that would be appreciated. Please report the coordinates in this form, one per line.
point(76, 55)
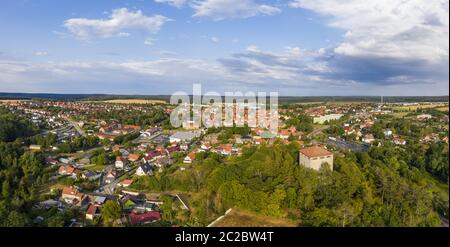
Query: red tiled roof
point(145, 217)
point(92, 209)
point(315, 151)
point(127, 182)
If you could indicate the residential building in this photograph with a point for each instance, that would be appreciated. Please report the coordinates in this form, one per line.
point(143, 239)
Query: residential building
point(314, 157)
point(121, 162)
point(144, 169)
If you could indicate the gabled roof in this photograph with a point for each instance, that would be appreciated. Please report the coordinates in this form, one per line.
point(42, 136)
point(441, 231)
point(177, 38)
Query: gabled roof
point(92, 209)
point(146, 168)
point(144, 218)
point(191, 155)
point(126, 182)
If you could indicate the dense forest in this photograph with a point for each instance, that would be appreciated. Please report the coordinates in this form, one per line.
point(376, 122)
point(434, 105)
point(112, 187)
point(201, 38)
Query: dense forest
point(381, 187)
point(21, 172)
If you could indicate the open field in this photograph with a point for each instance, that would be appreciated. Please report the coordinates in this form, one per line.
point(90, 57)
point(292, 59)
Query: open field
point(415, 107)
point(443, 109)
point(133, 101)
point(11, 100)
point(399, 114)
point(241, 218)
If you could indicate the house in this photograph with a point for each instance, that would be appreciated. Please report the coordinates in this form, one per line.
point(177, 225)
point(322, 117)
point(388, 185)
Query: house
point(125, 183)
point(89, 175)
point(144, 218)
point(369, 138)
point(398, 141)
point(284, 134)
point(116, 148)
point(144, 169)
point(163, 162)
point(110, 176)
point(65, 160)
point(243, 139)
point(424, 116)
point(184, 146)
point(258, 140)
point(133, 157)
point(145, 207)
point(35, 147)
point(83, 161)
point(225, 149)
point(124, 152)
point(173, 149)
point(267, 135)
point(51, 161)
point(258, 130)
point(121, 162)
point(103, 136)
point(99, 200)
point(71, 195)
point(68, 170)
point(314, 157)
point(92, 212)
point(387, 132)
point(153, 155)
point(348, 130)
point(205, 146)
point(183, 137)
point(327, 118)
point(189, 158)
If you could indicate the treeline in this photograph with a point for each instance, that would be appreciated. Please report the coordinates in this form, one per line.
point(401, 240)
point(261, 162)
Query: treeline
point(78, 143)
point(150, 117)
point(21, 173)
point(13, 126)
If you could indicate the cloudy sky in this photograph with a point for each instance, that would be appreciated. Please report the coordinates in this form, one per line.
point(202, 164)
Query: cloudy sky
point(294, 47)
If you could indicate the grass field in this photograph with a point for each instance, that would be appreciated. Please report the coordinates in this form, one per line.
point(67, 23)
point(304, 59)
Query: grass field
point(134, 101)
point(399, 114)
point(241, 218)
point(443, 109)
point(10, 100)
point(415, 107)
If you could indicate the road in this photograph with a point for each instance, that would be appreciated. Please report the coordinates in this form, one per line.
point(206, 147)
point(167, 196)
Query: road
point(109, 188)
point(444, 222)
point(77, 128)
point(317, 131)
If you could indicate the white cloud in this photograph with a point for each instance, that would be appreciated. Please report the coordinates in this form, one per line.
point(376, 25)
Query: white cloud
point(229, 9)
point(175, 3)
point(41, 53)
point(167, 53)
point(215, 39)
point(149, 41)
point(119, 22)
point(401, 29)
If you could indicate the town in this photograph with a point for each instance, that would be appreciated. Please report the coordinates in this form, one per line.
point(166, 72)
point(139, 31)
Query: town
point(107, 163)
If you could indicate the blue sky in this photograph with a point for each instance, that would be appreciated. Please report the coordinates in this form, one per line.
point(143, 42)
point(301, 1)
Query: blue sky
point(294, 47)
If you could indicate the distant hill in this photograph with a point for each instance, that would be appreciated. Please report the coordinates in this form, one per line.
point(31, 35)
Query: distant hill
point(281, 99)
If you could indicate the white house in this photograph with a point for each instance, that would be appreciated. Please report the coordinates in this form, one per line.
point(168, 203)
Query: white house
point(143, 170)
point(121, 162)
point(387, 132)
point(314, 157)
